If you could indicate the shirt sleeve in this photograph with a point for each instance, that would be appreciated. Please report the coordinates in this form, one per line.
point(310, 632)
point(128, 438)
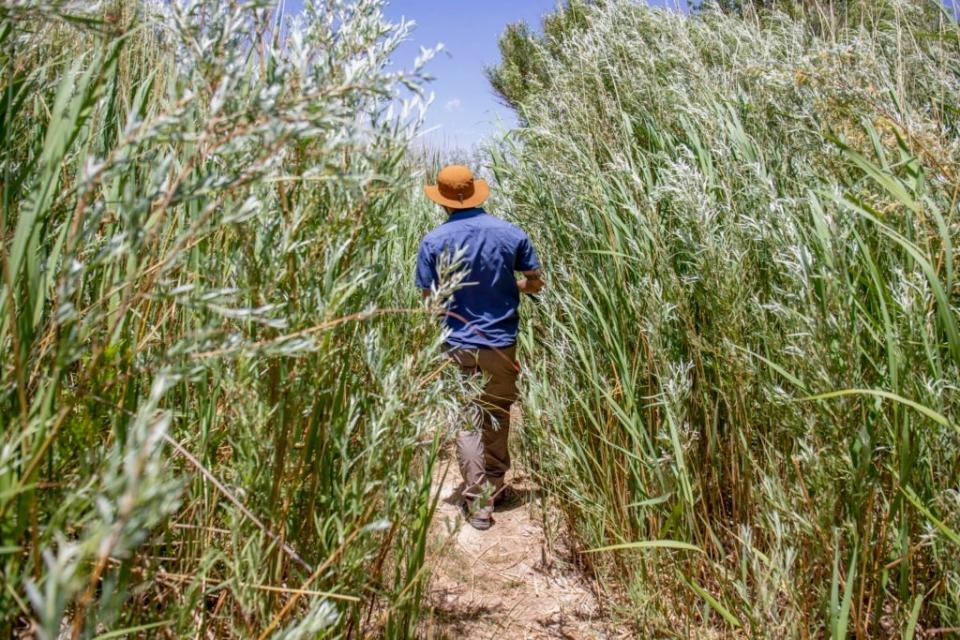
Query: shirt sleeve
point(426, 274)
point(526, 259)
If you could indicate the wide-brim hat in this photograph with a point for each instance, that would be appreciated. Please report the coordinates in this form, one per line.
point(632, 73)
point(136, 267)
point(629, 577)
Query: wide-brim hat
point(456, 188)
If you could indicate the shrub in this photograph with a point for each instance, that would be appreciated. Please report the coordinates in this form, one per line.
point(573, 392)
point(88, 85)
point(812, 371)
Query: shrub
point(216, 394)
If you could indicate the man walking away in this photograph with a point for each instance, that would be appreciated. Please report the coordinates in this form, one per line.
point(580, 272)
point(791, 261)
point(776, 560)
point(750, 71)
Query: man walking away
point(483, 321)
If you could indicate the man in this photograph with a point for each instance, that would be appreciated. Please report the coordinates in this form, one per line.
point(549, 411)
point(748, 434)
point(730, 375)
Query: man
point(483, 321)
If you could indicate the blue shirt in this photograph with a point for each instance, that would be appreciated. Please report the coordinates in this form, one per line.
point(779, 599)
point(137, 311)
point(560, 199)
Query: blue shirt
point(483, 311)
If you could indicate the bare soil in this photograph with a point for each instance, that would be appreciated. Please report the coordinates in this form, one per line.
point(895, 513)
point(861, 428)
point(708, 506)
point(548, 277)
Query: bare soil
point(504, 583)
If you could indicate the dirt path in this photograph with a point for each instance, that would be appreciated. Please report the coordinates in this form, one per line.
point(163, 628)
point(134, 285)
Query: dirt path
point(503, 583)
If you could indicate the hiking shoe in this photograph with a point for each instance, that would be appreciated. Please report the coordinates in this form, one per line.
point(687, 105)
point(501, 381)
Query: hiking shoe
point(480, 524)
point(477, 521)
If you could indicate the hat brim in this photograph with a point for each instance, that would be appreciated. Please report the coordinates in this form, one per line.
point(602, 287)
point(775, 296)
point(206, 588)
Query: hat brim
point(481, 191)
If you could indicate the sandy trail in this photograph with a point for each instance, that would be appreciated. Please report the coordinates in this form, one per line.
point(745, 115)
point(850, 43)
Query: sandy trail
point(503, 583)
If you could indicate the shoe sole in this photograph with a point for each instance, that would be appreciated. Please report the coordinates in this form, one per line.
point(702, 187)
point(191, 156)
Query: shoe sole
point(480, 524)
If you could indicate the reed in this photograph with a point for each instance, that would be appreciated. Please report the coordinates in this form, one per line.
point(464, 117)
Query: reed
point(745, 367)
point(218, 389)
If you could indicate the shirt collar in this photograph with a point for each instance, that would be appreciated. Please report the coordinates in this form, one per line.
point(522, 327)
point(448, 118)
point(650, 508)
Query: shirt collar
point(463, 214)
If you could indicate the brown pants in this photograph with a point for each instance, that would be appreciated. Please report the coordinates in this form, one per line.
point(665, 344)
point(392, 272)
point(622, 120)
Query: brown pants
point(482, 449)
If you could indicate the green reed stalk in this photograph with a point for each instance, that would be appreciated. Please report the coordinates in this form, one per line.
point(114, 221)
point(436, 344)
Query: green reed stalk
point(749, 342)
point(211, 418)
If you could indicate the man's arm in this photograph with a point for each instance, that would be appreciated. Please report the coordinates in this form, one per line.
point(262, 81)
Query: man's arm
point(531, 282)
point(426, 274)
point(527, 263)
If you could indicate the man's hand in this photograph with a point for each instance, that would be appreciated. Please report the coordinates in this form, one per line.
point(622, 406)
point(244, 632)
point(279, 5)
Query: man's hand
point(531, 282)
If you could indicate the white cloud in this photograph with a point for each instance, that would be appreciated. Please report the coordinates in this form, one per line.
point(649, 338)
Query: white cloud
point(452, 105)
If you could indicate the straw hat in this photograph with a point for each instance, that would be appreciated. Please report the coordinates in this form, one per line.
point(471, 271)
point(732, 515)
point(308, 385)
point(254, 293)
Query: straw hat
point(456, 188)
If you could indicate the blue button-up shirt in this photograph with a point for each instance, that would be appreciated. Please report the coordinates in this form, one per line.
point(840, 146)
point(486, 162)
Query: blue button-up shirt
point(483, 311)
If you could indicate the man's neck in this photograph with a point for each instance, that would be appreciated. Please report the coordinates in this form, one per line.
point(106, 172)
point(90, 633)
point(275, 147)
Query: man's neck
point(453, 212)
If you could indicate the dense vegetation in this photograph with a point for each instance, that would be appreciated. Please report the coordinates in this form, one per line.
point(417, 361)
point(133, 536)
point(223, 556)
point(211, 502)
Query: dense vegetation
point(220, 394)
point(745, 368)
point(217, 412)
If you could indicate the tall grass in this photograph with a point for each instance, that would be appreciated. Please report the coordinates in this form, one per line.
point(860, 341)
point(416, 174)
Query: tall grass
point(217, 388)
point(750, 345)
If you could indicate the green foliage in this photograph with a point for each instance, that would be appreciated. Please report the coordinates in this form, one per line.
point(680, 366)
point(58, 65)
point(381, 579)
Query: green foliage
point(749, 341)
point(522, 70)
point(217, 388)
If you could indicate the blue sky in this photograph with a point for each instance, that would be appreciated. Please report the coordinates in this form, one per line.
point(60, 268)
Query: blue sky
point(465, 109)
